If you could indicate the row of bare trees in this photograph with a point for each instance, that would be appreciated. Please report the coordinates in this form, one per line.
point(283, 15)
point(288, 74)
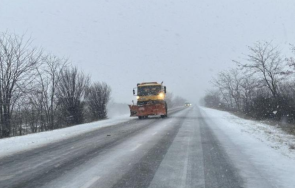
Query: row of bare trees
point(262, 86)
point(41, 92)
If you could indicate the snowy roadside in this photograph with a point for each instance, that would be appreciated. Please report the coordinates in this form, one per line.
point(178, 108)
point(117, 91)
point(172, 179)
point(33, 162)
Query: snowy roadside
point(257, 149)
point(9, 146)
point(272, 136)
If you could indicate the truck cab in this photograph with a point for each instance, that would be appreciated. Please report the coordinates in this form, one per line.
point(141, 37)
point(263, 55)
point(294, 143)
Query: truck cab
point(150, 92)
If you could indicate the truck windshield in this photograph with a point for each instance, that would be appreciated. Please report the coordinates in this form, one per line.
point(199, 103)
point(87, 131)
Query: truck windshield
point(148, 90)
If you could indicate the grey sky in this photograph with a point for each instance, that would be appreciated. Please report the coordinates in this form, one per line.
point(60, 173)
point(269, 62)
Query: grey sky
point(123, 42)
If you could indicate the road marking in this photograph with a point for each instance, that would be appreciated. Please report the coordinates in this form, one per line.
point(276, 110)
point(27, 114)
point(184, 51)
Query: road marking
point(184, 174)
point(154, 133)
point(91, 182)
point(135, 148)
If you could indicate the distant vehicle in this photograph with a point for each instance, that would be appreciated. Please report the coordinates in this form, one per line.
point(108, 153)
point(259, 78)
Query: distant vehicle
point(187, 104)
point(150, 100)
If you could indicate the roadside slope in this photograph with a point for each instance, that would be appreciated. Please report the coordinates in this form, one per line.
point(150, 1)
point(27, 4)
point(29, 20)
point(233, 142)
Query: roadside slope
point(9, 146)
point(255, 148)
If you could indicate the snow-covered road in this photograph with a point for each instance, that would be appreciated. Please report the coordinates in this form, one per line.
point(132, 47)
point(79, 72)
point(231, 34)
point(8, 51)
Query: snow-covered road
point(193, 147)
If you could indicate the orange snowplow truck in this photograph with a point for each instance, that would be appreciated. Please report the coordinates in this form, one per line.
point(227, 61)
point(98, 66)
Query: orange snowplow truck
point(150, 100)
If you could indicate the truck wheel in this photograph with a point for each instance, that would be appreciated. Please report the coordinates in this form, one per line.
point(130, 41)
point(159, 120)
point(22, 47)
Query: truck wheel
point(139, 117)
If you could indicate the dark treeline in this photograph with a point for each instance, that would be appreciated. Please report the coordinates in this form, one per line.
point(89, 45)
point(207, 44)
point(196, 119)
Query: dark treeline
point(262, 87)
point(40, 92)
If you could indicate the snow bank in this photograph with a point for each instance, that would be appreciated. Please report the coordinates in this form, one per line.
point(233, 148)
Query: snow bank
point(272, 136)
point(13, 145)
point(255, 147)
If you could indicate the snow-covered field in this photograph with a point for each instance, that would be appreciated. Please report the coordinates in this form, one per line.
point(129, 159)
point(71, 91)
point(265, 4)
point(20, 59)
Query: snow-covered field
point(9, 146)
point(255, 146)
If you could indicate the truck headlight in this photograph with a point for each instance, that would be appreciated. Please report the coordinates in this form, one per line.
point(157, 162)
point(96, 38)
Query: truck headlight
point(161, 95)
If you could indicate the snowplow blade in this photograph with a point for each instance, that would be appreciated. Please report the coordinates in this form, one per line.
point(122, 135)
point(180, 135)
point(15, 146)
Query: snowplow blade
point(148, 109)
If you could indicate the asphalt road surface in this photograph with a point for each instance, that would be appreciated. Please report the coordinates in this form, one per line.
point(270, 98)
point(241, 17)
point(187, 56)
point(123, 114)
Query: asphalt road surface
point(179, 151)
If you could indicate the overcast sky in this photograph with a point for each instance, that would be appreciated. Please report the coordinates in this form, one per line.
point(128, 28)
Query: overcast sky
point(122, 42)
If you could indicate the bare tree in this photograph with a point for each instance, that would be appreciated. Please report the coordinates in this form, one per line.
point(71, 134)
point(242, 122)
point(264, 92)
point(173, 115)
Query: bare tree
point(212, 99)
point(224, 88)
point(291, 61)
point(97, 98)
point(264, 61)
point(17, 70)
point(249, 85)
point(71, 89)
point(48, 78)
point(229, 85)
point(259, 88)
point(39, 93)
